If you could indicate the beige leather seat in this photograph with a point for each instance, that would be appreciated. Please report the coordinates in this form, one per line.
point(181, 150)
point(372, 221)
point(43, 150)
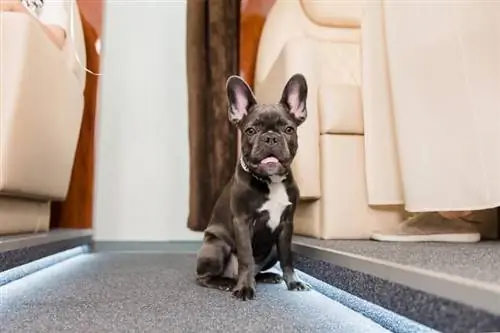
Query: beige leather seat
point(41, 111)
point(321, 39)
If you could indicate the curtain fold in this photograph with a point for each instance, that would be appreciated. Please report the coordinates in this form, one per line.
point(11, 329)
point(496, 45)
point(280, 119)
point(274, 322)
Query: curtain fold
point(431, 98)
point(212, 56)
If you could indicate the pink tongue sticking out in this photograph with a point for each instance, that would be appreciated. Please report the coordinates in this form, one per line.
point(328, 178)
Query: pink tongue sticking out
point(270, 159)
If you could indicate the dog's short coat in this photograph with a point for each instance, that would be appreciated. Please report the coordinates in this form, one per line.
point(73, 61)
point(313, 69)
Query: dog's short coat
point(252, 222)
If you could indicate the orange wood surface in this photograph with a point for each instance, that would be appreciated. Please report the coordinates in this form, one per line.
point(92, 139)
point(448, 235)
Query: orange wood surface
point(253, 17)
point(92, 10)
point(76, 210)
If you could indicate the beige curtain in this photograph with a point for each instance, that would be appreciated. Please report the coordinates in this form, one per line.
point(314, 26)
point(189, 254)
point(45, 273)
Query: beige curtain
point(431, 84)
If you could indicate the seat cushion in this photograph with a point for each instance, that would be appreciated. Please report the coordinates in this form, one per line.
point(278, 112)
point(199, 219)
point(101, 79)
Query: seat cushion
point(340, 109)
point(339, 97)
point(307, 220)
point(333, 13)
point(339, 63)
point(23, 216)
point(42, 107)
point(344, 212)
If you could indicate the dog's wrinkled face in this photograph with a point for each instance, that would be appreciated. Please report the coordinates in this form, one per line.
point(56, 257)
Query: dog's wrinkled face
point(268, 131)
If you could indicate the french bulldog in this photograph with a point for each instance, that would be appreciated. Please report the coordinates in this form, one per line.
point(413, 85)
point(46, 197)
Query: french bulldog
point(251, 226)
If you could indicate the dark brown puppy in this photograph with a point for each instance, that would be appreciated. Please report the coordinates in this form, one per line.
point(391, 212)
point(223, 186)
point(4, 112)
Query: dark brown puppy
point(252, 222)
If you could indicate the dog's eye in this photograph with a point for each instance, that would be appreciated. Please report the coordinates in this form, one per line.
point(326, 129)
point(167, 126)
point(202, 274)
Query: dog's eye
point(250, 131)
point(289, 130)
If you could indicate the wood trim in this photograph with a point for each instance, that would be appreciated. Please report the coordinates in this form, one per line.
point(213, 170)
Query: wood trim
point(93, 11)
point(76, 210)
point(253, 18)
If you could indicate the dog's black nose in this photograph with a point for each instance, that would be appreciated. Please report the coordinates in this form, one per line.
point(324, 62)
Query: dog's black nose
point(270, 138)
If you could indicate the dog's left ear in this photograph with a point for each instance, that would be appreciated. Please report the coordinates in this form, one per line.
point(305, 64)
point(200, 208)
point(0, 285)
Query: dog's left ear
point(241, 98)
point(294, 98)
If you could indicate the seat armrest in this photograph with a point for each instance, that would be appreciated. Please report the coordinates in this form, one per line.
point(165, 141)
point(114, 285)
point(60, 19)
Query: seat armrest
point(42, 108)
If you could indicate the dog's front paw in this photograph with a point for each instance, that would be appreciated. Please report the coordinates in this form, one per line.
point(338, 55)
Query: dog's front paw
point(297, 285)
point(244, 292)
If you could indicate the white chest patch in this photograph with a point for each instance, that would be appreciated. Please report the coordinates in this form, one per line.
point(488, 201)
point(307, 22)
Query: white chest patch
point(277, 201)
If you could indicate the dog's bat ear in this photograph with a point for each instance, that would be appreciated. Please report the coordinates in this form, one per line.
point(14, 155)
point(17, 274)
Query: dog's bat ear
point(294, 98)
point(241, 98)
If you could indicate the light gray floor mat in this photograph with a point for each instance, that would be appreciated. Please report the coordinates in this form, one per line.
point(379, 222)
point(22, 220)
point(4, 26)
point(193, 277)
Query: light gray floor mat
point(155, 292)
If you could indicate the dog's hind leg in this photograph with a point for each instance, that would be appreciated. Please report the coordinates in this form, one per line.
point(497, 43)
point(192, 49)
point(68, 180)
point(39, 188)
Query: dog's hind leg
point(212, 264)
point(268, 263)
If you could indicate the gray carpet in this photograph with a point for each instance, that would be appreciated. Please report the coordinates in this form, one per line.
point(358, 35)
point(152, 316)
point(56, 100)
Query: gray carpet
point(155, 292)
point(480, 261)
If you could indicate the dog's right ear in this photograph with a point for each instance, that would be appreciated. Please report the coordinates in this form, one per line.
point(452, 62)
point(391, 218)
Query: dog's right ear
point(241, 98)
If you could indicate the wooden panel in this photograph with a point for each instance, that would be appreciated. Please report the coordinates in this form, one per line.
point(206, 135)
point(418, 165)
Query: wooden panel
point(253, 17)
point(92, 10)
point(76, 210)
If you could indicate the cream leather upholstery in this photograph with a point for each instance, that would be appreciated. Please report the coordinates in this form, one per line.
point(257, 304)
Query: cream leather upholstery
point(340, 109)
point(322, 41)
point(333, 13)
point(41, 111)
point(19, 216)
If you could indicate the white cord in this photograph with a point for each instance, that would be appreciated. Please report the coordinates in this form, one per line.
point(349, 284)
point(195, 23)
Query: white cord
point(72, 36)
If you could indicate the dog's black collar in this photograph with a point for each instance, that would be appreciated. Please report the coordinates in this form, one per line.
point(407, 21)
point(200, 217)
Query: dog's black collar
point(245, 168)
